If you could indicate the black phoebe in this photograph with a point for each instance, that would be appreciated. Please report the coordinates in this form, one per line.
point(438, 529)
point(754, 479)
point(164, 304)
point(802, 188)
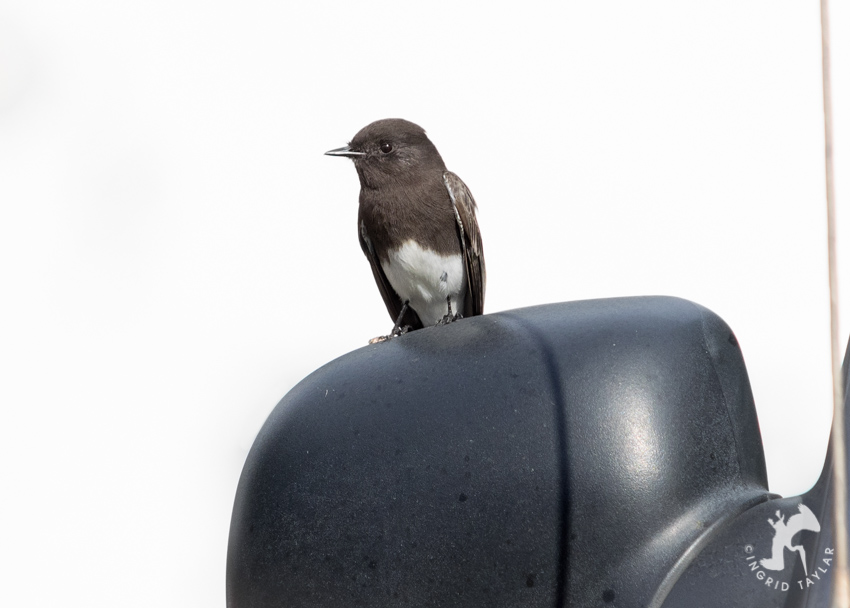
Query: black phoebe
point(417, 227)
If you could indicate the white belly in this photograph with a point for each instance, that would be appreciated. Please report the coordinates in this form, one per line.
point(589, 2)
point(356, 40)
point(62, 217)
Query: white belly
point(426, 279)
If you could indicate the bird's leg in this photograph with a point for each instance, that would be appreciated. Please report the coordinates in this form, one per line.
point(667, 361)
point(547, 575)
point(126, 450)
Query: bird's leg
point(449, 316)
point(397, 329)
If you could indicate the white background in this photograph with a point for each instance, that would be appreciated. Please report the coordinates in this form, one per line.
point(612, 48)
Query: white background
point(176, 252)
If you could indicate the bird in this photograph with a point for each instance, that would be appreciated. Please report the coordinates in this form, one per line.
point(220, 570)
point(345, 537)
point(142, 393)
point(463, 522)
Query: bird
point(417, 227)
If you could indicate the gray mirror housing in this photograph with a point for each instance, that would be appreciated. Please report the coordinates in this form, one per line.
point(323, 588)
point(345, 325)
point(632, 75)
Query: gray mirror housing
point(587, 453)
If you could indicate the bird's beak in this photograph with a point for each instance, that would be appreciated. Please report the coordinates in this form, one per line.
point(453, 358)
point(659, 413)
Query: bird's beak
point(345, 151)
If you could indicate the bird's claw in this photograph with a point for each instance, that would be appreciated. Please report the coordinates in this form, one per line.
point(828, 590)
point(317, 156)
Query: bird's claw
point(449, 318)
point(395, 333)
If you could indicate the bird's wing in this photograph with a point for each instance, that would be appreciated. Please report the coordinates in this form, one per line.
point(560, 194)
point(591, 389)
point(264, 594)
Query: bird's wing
point(470, 238)
point(391, 298)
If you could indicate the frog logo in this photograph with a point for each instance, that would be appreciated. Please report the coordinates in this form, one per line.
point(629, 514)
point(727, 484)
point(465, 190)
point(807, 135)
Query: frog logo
point(783, 537)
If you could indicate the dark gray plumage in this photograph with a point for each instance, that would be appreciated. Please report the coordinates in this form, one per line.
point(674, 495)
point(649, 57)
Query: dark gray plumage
point(417, 226)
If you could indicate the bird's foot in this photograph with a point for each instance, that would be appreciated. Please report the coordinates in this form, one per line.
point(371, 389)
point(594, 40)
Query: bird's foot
point(395, 333)
point(449, 318)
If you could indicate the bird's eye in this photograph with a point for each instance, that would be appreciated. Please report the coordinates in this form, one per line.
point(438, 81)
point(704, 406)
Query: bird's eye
point(386, 147)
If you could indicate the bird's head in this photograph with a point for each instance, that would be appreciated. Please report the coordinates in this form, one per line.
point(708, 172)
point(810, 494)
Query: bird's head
point(389, 151)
